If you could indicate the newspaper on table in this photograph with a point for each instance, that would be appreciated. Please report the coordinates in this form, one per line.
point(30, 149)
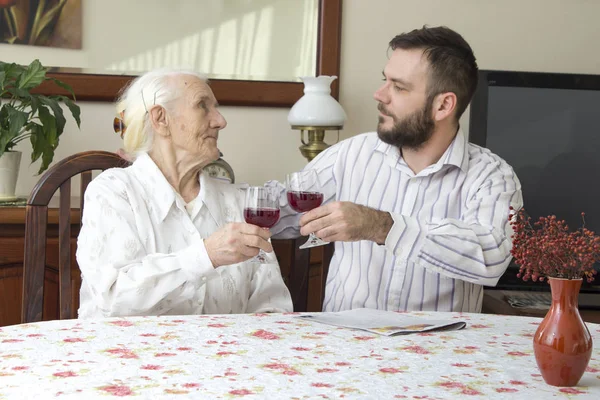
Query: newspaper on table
point(386, 323)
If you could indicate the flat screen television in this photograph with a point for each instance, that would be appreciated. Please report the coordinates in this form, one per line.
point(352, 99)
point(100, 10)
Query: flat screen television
point(547, 126)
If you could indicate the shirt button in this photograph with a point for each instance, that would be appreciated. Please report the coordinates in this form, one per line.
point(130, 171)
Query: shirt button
point(203, 279)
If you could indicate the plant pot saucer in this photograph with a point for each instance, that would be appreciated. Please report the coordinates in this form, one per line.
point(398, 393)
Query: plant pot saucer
point(13, 201)
point(8, 198)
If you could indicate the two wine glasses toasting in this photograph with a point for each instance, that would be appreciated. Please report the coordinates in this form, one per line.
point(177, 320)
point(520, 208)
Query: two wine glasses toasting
point(303, 194)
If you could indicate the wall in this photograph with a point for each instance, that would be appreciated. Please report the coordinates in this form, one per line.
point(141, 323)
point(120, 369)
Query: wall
point(536, 35)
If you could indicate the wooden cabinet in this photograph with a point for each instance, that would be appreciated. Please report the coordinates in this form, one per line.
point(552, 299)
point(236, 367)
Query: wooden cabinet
point(12, 233)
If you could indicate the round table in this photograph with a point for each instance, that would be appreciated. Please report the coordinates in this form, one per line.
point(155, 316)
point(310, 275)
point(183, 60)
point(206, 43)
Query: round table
point(276, 356)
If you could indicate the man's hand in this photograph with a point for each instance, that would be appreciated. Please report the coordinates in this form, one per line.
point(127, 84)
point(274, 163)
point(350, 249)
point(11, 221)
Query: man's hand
point(236, 242)
point(347, 222)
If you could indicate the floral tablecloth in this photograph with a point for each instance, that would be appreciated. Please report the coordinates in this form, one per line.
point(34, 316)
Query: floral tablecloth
point(276, 356)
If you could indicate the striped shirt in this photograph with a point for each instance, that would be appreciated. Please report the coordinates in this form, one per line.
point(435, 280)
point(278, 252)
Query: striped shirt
point(450, 234)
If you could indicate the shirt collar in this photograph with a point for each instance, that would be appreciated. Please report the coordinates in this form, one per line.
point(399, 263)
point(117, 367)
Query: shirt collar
point(385, 148)
point(159, 193)
point(456, 154)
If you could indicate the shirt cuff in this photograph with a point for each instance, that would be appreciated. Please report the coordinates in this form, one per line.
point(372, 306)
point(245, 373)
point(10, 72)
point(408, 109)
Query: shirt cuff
point(196, 262)
point(403, 235)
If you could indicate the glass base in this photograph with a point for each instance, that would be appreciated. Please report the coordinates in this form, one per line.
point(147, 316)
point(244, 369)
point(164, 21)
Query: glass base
point(313, 241)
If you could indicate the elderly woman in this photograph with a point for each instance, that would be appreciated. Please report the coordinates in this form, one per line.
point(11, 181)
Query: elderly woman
point(159, 237)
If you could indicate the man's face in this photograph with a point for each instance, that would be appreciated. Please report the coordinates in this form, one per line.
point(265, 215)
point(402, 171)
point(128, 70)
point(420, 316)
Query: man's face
point(405, 112)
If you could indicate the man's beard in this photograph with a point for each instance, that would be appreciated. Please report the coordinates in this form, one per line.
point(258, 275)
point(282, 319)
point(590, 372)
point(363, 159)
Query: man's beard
point(411, 132)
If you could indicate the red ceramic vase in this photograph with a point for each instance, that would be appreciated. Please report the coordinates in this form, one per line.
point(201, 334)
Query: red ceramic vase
point(562, 343)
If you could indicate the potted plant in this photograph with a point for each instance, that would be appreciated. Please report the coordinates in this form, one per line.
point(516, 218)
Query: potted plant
point(25, 115)
point(549, 250)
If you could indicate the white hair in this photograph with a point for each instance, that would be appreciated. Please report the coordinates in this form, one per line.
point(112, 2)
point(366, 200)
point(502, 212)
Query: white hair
point(154, 87)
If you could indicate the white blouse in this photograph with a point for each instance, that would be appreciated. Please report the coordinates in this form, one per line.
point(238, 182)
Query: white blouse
point(141, 253)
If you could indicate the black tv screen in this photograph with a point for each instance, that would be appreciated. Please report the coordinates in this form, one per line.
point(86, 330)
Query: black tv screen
point(547, 127)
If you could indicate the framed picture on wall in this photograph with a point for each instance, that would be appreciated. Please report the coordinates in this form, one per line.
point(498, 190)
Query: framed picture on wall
point(52, 23)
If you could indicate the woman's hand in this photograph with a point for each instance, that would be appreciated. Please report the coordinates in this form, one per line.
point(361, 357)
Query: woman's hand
point(236, 242)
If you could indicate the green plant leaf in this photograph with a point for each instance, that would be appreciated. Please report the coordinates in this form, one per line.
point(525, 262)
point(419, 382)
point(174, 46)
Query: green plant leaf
point(12, 128)
point(75, 110)
point(41, 148)
point(3, 141)
point(34, 104)
point(13, 71)
point(63, 85)
point(58, 113)
point(19, 94)
point(49, 124)
point(47, 157)
point(2, 78)
point(4, 117)
point(38, 141)
point(33, 76)
point(16, 120)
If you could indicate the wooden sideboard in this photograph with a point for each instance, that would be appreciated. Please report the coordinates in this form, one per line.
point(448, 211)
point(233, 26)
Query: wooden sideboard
point(12, 242)
point(12, 234)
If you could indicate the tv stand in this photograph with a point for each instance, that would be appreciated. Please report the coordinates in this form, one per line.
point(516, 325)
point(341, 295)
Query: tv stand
point(495, 302)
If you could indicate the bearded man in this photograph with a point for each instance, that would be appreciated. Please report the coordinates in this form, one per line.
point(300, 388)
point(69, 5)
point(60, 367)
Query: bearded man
point(419, 216)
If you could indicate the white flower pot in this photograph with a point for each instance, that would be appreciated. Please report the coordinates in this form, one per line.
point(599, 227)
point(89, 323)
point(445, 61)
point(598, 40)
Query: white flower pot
point(10, 162)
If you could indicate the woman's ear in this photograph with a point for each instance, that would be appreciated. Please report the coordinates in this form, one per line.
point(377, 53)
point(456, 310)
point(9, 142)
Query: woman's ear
point(158, 118)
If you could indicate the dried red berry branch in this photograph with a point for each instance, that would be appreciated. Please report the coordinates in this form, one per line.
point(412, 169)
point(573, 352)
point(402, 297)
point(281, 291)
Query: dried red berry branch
point(548, 249)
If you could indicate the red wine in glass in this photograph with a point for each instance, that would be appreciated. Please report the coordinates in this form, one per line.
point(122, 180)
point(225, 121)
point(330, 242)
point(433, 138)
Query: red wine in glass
point(261, 209)
point(263, 217)
point(304, 201)
point(304, 193)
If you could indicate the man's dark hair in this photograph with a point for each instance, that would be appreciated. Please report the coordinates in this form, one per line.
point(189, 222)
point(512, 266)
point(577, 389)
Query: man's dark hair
point(452, 64)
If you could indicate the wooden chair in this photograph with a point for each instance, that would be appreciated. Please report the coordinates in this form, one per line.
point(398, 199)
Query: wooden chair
point(55, 178)
point(295, 267)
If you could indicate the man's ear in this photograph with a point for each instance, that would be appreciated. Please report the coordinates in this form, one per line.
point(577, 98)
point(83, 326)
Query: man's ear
point(444, 106)
point(158, 119)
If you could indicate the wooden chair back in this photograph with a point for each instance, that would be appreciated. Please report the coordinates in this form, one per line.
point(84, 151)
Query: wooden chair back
point(57, 177)
point(296, 267)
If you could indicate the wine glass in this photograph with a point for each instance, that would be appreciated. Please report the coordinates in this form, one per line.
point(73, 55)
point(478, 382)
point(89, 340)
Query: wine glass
point(261, 209)
point(304, 193)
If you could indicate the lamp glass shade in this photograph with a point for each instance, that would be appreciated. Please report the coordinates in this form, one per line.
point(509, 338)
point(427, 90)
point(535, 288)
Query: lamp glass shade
point(317, 107)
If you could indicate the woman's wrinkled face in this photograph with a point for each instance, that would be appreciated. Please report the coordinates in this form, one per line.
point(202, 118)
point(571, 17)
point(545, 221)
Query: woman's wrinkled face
point(195, 120)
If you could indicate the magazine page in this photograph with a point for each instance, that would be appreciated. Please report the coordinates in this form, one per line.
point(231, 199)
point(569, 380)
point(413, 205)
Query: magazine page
point(386, 323)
